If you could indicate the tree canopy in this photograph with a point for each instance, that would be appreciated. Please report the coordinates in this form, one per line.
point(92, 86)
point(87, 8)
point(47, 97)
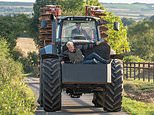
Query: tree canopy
point(141, 38)
point(128, 21)
point(117, 39)
point(15, 26)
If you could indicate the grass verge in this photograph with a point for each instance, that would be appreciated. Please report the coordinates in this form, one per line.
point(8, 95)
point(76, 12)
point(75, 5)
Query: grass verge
point(138, 97)
point(137, 108)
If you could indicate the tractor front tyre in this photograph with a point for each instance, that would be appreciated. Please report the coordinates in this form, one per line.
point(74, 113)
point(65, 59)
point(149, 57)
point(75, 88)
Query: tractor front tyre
point(51, 85)
point(113, 91)
point(111, 98)
point(98, 99)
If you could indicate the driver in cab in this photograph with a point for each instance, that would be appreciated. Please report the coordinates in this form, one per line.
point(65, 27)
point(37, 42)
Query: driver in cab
point(79, 31)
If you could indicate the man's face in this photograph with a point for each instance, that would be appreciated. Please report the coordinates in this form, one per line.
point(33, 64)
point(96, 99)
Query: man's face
point(71, 48)
point(78, 25)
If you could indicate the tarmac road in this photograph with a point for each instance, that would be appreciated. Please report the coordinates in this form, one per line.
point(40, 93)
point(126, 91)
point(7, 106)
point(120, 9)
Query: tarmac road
point(75, 106)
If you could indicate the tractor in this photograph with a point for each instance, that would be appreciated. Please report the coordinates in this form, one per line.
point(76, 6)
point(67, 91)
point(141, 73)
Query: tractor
point(103, 80)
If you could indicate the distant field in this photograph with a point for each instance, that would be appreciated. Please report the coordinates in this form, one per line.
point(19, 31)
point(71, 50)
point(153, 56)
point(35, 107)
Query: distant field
point(16, 3)
point(133, 6)
point(10, 8)
point(26, 45)
point(137, 11)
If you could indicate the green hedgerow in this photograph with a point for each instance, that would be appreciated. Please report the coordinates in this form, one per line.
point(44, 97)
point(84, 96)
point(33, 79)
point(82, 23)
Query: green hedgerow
point(15, 97)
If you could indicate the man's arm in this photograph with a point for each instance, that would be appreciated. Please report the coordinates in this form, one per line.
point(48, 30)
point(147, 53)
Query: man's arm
point(85, 34)
point(73, 33)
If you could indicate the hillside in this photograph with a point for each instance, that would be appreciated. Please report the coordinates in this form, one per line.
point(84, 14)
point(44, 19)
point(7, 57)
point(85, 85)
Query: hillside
point(137, 11)
point(11, 8)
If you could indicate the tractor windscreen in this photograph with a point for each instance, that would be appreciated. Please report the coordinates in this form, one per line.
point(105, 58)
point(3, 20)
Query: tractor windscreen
point(78, 30)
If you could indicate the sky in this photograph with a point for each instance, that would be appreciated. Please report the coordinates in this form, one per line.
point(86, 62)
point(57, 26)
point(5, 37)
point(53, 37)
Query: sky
point(106, 1)
point(127, 1)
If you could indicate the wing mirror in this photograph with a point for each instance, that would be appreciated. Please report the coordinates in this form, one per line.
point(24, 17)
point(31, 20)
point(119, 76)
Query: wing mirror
point(116, 26)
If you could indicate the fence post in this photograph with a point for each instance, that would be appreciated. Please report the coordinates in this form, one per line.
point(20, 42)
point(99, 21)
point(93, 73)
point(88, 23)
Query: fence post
point(126, 68)
point(149, 71)
point(134, 71)
point(139, 71)
point(143, 71)
point(153, 72)
point(130, 70)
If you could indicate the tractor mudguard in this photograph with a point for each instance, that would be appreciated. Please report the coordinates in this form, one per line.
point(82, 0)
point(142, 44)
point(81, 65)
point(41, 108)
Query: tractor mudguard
point(48, 52)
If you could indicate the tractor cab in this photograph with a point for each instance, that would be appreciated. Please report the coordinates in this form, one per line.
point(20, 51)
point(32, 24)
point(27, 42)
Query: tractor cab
point(83, 31)
point(78, 28)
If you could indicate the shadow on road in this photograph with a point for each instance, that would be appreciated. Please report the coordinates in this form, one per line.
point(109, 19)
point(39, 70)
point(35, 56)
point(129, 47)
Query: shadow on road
point(75, 106)
point(79, 110)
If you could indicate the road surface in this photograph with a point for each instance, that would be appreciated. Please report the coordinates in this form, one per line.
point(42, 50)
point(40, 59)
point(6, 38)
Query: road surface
point(75, 106)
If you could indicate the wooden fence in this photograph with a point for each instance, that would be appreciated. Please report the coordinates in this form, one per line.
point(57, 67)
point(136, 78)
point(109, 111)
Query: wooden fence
point(139, 71)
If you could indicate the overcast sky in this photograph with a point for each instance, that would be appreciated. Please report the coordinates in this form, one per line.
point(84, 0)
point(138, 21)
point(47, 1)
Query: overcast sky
point(127, 1)
point(106, 1)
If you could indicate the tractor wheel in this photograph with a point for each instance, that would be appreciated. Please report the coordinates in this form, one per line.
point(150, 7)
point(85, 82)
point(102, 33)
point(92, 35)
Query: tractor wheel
point(111, 99)
point(113, 93)
point(98, 99)
point(51, 85)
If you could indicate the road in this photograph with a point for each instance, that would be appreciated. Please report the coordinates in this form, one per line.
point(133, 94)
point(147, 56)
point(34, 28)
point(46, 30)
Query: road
point(75, 106)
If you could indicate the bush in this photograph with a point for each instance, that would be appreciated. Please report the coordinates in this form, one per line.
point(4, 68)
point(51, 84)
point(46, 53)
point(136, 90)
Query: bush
point(4, 51)
point(33, 62)
point(15, 96)
point(16, 99)
point(30, 63)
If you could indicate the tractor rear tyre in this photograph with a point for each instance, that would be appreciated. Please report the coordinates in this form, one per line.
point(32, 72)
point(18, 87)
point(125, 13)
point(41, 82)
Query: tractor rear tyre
point(111, 98)
point(51, 85)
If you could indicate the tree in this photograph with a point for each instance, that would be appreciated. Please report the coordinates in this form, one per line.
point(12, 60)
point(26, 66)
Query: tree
point(93, 3)
point(128, 21)
point(141, 38)
point(117, 39)
point(152, 17)
point(72, 7)
point(14, 26)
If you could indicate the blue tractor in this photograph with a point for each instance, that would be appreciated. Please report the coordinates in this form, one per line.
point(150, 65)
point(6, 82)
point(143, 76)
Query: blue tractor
point(104, 80)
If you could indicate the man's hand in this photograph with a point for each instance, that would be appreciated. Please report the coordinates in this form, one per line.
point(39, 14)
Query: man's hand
point(98, 42)
point(62, 62)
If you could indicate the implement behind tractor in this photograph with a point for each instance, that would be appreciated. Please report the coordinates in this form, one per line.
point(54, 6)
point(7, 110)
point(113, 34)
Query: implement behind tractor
point(58, 73)
point(45, 27)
